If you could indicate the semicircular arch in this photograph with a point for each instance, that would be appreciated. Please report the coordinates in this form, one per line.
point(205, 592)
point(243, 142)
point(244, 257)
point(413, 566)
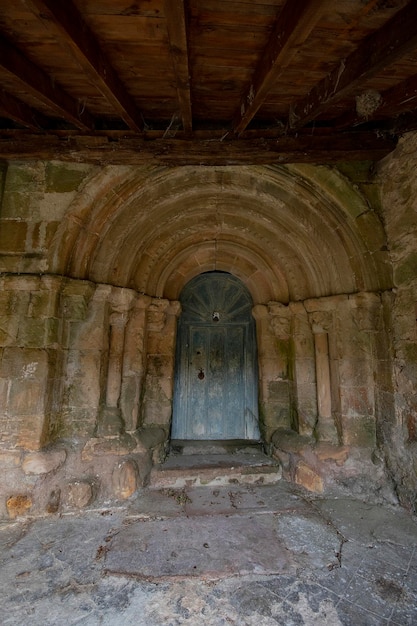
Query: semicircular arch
point(288, 232)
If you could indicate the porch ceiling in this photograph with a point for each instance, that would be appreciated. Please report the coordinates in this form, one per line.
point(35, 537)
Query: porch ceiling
point(190, 82)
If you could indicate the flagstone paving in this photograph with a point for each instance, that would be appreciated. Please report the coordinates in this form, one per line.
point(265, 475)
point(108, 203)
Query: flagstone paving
point(237, 555)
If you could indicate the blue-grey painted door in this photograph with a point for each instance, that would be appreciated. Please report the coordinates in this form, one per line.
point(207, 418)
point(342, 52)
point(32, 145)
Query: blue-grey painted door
point(216, 365)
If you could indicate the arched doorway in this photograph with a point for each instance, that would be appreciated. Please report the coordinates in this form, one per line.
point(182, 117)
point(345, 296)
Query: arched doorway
point(216, 384)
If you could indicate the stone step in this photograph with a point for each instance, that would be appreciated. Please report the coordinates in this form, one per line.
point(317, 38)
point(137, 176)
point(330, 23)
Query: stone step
point(204, 447)
point(246, 467)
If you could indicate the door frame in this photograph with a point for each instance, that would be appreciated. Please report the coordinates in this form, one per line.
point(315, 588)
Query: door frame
point(204, 319)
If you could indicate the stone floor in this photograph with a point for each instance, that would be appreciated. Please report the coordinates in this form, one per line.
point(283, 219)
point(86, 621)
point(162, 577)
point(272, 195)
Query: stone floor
point(217, 555)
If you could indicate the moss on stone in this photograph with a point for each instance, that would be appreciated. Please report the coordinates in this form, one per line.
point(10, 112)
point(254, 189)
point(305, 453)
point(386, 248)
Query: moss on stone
point(63, 178)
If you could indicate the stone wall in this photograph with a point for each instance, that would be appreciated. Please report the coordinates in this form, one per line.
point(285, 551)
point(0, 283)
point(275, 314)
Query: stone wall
point(87, 358)
point(398, 404)
point(86, 383)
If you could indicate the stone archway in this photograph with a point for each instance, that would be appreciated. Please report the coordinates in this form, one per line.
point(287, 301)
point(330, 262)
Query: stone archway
point(93, 346)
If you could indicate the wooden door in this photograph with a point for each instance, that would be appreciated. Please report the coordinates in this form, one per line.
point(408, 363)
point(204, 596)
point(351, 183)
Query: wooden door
point(216, 366)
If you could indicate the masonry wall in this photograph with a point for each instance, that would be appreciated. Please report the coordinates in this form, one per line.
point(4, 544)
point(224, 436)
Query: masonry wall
point(87, 367)
point(398, 428)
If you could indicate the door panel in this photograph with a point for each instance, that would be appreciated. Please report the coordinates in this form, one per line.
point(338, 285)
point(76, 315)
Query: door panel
point(216, 382)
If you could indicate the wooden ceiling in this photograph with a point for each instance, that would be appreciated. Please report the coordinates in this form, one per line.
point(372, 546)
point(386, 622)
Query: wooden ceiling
point(206, 81)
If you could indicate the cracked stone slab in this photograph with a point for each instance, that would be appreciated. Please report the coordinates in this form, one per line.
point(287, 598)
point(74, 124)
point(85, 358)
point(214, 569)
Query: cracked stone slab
point(366, 523)
point(219, 546)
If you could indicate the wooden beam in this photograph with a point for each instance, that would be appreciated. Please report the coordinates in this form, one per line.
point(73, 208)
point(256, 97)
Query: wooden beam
point(177, 35)
point(401, 98)
point(19, 112)
point(134, 150)
point(397, 37)
point(42, 87)
point(295, 22)
point(85, 47)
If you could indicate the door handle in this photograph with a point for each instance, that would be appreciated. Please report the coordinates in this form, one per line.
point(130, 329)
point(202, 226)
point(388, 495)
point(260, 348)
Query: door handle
point(201, 374)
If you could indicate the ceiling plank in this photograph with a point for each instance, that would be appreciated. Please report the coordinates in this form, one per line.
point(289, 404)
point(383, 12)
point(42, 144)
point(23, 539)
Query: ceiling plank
point(19, 112)
point(42, 86)
point(397, 37)
point(177, 35)
point(84, 45)
point(133, 150)
point(292, 27)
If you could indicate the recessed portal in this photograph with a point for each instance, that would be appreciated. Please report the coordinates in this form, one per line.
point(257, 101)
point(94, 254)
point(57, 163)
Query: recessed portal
point(216, 363)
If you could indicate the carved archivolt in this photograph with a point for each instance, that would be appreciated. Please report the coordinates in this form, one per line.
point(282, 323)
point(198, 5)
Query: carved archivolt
point(289, 233)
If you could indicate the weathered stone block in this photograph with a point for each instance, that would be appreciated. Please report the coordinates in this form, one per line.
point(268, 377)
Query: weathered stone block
point(64, 177)
point(18, 505)
point(8, 330)
point(305, 371)
point(278, 392)
point(82, 385)
point(125, 479)
point(44, 303)
point(77, 422)
point(78, 494)
point(152, 436)
point(354, 372)
point(120, 445)
point(289, 441)
point(54, 501)
point(329, 452)
point(43, 462)
point(109, 422)
point(31, 431)
point(13, 236)
point(308, 478)
point(275, 367)
point(360, 432)
point(10, 458)
point(25, 397)
point(357, 401)
point(38, 333)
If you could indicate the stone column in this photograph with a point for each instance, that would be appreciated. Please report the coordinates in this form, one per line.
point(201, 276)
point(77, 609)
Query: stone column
point(111, 422)
point(161, 333)
point(324, 400)
point(326, 427)
point(134, 361)
point(304, 370)
point(272, 331)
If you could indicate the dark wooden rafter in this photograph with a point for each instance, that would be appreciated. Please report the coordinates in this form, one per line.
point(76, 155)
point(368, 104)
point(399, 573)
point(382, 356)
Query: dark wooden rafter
point(42, 86)
point(177, 35)
point(393, 102)
point(85, 47)
point(117, 148)
point(397, 37)
point(19, 112)
point(294, 23)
